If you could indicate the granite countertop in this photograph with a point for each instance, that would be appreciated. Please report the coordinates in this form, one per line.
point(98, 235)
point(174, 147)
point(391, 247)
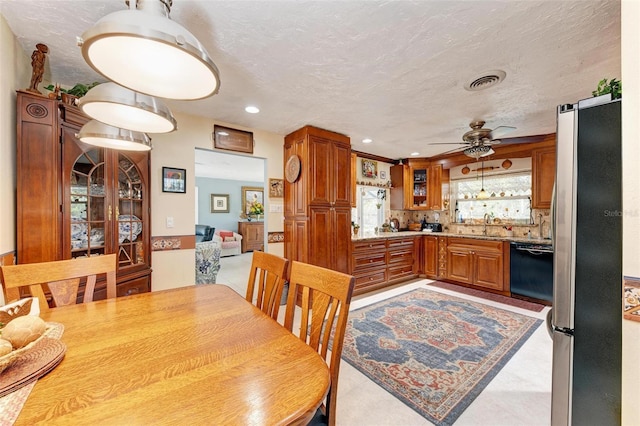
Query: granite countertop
point(385, 235)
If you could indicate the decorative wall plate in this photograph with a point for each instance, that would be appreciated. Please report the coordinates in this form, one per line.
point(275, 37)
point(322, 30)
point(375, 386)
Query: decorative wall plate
point(292, 168)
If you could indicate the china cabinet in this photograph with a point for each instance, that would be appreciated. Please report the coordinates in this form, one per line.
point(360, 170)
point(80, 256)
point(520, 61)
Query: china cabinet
point(76, 200)
point(318, 198)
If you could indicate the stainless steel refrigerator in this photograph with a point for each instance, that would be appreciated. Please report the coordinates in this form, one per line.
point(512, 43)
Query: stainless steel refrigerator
point(586, 319)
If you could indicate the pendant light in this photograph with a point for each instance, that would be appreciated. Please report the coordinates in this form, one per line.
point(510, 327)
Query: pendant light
point(99, 134)
point(142, 49)
point(483, 195)
point(120, 107)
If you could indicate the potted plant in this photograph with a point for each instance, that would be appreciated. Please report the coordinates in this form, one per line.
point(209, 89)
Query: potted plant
point(613, 87)
point(69, 96)
point(355, 227)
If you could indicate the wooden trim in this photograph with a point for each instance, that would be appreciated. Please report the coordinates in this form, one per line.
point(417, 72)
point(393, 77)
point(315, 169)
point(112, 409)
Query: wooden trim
point(373, 157)
point(173, 242)
point(504, 150)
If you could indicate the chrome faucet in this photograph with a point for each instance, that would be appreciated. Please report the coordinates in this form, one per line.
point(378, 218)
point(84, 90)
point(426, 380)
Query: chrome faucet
point(487, 218)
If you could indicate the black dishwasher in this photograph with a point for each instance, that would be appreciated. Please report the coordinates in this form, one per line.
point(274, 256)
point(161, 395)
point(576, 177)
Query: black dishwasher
point(532, 270)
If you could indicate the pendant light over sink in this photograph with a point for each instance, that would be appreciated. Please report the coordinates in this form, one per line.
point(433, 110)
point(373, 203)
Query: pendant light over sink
point(482, 195)
point(142, 49)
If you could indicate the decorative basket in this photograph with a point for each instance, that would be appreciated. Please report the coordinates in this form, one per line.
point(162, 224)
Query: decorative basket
point(52, 330)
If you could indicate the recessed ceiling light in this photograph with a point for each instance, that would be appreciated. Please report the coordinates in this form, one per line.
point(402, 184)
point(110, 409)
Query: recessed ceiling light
point(413, 154)
point(367, 140)
point(252, 109)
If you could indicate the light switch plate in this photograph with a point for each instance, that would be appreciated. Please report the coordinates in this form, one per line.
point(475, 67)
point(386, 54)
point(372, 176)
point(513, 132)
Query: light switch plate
point(169, 221)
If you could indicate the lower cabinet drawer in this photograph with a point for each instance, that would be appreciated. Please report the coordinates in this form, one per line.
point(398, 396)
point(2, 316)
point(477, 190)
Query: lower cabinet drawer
point(362, 261)
point(400, 271)
point(368, 278)
point(401, 256)
point(140, 285)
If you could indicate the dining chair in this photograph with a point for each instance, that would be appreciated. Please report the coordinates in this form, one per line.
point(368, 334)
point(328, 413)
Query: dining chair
point(325, 296)
point(266, 279)
point(62, 277)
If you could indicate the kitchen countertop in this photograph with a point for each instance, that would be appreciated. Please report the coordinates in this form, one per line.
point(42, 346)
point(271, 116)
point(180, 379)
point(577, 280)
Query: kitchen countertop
point(386, 235)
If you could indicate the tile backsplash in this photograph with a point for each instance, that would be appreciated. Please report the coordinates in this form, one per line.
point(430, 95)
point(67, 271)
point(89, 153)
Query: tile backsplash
point(494, 229)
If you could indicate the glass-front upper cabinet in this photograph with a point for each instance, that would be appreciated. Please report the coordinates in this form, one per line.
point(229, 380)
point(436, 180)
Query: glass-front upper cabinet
point(419, 187)
point(108, 205)
point(129, 212)
point(88, 205)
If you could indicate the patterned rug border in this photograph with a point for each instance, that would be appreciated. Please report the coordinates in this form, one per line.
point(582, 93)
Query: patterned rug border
point(471, 395)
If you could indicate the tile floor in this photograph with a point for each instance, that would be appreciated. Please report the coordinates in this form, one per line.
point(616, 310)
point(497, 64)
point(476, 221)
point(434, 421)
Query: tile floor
point(519, 395)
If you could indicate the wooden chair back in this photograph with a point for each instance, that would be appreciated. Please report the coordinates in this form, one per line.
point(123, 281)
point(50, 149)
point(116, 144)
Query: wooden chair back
point(266, 280)
point(325, 297)
point(62, 277)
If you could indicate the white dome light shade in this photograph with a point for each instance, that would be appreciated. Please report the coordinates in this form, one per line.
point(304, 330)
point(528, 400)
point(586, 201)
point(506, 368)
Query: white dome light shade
point(100, 134)
point(149, 53)
point(120, 107)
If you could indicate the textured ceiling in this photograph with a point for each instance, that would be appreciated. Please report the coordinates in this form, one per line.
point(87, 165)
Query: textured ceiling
point(392, 71)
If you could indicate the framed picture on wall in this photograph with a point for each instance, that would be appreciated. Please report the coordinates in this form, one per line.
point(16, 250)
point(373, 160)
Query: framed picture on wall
point(276, 188)
point(232, 139)
point(369, 168)
point(253, 199)
point(174, 180)
point(219, 203)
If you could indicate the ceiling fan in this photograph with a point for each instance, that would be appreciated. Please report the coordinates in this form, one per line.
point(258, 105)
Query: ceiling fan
point(478, 140)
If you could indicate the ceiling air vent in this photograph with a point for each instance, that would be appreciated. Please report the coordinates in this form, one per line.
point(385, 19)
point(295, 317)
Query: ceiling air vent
point(486, 80)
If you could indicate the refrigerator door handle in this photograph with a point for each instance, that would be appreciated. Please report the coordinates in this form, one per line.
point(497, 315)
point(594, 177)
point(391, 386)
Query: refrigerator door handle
point(549, 323)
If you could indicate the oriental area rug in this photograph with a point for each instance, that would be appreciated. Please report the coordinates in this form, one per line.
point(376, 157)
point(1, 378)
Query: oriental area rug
point(434, 352)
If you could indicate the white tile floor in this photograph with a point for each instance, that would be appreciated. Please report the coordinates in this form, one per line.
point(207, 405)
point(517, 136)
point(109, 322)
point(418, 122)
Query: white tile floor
point(519, 395)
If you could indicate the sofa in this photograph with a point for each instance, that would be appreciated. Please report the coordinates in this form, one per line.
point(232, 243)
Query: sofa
point(231, 242)
point(207, 261)
point(204, 233)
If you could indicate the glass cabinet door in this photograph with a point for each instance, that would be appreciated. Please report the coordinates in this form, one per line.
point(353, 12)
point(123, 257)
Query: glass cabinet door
point(129, 213)
point(419, 187)
point(88, 204)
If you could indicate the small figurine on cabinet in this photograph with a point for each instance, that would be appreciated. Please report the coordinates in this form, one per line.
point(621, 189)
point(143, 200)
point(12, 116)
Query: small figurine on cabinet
point(37, 63)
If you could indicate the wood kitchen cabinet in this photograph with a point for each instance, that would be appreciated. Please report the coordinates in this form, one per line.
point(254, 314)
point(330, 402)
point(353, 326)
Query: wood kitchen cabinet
point(369, 262)
point(379, 262)
point(77, 200)
point(318, 200)
point(435, 256)
point(416, 186)
point(476, 262)
point(543, 171)
point(252, 236)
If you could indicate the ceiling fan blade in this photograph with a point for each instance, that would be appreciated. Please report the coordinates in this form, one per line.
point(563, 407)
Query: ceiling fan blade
point(452, 151)
point(501, 130)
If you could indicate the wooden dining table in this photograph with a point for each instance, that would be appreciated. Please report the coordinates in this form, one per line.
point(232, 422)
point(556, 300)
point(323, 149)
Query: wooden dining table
point(192, 355)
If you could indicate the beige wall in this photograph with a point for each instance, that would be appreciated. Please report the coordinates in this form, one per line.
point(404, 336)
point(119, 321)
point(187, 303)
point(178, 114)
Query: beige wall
point(631, 202)
point(177, 149)
point(15, 72)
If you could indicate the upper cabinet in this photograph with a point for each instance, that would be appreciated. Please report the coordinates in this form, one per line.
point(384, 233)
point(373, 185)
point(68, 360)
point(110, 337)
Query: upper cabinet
point(416, 186)
point(76, 200)
point(543, 171)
